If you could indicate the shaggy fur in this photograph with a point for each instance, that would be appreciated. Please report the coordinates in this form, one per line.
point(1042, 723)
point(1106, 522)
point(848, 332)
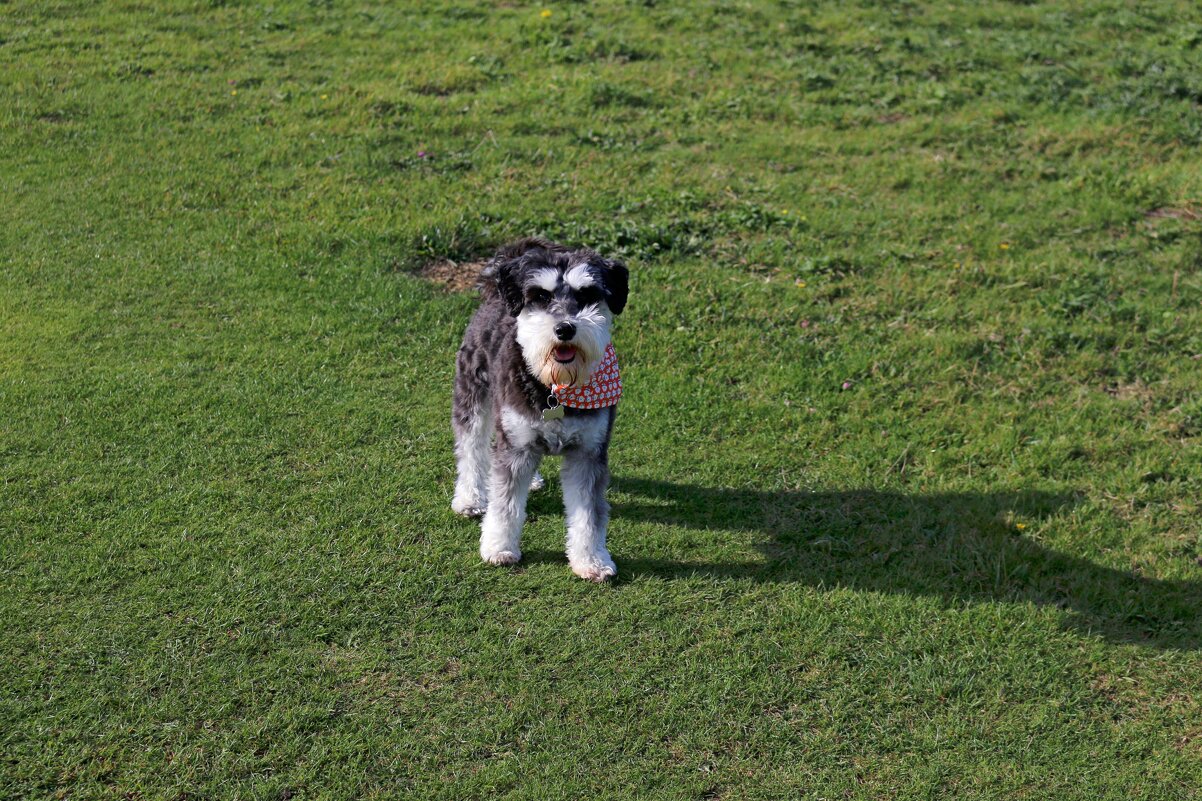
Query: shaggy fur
point(544, 318)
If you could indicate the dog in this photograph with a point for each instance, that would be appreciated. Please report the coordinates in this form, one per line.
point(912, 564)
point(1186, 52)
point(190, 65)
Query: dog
point(536, 375)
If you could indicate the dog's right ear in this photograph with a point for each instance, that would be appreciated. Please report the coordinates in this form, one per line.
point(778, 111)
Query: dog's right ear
point(505, 269)
point(507, 275)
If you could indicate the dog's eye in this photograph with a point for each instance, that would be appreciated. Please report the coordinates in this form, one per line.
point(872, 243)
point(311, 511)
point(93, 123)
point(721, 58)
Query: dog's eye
point(588, 295)
point(538, 295)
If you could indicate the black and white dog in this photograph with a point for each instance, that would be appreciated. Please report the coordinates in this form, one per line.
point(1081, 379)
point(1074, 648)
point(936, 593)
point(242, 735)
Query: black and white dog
point(537, 375)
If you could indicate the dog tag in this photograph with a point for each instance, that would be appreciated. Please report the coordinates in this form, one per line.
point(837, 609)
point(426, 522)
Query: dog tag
point(553, 412)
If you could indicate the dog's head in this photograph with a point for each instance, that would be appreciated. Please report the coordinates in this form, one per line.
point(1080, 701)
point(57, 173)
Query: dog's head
point(564, 301)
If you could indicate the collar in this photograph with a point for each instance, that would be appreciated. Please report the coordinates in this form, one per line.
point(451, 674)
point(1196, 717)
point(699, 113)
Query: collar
point(603, 389)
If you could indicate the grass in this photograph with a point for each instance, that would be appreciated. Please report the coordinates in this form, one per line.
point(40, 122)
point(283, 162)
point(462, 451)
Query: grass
point(907, 473)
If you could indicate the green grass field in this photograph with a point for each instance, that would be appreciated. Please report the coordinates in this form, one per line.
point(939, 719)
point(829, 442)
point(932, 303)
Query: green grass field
point(907, 475)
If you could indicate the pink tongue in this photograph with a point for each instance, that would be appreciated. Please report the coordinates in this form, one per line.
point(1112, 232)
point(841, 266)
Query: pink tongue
point(565, 352)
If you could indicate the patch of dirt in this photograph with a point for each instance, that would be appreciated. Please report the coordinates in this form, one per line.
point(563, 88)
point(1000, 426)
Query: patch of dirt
point(1169, 213)
point(1191, 741)
point(453, 276)
point(1137, 390)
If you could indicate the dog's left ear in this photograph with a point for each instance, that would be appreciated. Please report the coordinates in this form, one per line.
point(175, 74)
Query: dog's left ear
point(615, 281)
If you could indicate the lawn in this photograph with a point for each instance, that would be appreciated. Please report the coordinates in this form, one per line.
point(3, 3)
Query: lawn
point(907, 473)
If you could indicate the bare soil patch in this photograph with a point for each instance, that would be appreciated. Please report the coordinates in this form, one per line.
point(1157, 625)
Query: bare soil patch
point(454, 276)
point(1170, 213)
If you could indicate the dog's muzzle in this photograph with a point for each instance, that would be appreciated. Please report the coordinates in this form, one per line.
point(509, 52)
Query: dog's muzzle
point(565, 330)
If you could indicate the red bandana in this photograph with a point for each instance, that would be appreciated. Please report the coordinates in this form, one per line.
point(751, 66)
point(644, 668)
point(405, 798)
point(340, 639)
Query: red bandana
point(603, 389)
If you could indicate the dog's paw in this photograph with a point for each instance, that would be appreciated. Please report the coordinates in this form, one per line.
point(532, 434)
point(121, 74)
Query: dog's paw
point(501, 557)
point(595, 567)
point(538, 482)
point(470, 511)
point(468, 507)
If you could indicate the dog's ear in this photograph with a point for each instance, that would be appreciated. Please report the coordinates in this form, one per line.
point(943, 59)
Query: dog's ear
point(505, 269)
point(615, 281)
point(507, 274)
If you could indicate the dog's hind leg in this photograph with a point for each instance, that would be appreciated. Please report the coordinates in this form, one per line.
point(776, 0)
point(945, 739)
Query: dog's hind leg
point(509, 487)
point(471, 420)
point(585, 477)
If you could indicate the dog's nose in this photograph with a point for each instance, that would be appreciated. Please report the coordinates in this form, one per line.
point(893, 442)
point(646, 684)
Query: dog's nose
point(565, 331)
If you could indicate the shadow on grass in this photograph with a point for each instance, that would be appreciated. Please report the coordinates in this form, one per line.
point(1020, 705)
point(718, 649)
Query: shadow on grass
point(961, 547)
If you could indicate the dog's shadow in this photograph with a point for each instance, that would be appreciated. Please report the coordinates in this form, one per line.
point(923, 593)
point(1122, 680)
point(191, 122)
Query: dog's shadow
point(959, 547)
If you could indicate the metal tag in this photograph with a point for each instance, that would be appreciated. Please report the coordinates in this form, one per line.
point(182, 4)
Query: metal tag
point(554, 412)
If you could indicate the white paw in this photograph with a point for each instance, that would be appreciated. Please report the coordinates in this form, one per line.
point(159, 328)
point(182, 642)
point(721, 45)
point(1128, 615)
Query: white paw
point(468, 507)
point(595, 567)
point(538, 482)
point(502, 557)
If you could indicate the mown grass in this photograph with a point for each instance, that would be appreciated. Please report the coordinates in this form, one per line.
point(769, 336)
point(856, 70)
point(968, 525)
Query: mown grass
point(906, 475)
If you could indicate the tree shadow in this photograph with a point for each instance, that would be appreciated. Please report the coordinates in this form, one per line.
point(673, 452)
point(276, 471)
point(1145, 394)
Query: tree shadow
point(959, 547)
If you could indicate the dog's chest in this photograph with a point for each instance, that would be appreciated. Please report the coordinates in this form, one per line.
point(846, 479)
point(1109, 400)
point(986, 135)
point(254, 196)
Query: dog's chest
point(555, 436)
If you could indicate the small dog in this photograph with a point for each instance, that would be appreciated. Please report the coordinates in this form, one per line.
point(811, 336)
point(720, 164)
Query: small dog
point(537, 375)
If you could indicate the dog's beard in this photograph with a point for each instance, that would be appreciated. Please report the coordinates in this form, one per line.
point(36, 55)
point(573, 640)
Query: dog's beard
point(569, 373)
point(540, 346)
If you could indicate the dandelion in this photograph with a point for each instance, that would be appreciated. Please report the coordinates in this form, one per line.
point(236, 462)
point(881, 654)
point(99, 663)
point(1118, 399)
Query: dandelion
point(801, 284)
point(1004, 246)
point(323, 97)
point(546, 12)
point(1020, 526)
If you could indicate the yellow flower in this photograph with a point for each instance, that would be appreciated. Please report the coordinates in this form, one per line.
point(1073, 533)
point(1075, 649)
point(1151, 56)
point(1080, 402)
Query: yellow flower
point(1004, 246)
point(1020, 526)
point(323, 97)
point(546, 12)
point(233, 91)
point(801, 284)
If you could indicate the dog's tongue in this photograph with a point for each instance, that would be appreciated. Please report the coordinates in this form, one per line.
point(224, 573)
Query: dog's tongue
point(565, 353)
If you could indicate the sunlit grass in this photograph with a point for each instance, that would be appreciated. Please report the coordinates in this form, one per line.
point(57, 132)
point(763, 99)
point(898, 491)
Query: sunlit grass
point(907, 466)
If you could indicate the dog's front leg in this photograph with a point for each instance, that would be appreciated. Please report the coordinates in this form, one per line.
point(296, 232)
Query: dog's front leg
point(585, 477)
point(509, 486)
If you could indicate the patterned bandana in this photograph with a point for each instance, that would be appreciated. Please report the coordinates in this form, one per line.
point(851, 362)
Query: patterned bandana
point(603, 389)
